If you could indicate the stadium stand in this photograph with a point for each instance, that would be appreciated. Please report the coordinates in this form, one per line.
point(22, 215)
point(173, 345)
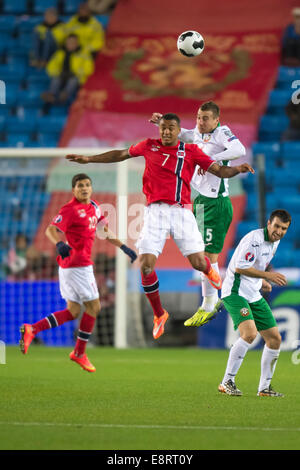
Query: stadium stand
point(24, 123)
point(282, 175)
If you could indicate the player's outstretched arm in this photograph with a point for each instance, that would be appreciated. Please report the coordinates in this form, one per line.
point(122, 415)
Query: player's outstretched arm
point(230, 171)
point(112, 156)
point(109, 235)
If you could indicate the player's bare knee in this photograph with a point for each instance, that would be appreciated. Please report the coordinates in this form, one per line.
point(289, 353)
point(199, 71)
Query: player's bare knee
point(249, 336)
point(146, 269)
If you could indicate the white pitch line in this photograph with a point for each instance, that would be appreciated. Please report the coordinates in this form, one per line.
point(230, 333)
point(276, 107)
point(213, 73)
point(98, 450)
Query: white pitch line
point(152, 426)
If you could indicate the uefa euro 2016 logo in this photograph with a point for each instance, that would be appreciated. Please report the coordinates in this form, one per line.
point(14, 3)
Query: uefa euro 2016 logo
point(2, 92)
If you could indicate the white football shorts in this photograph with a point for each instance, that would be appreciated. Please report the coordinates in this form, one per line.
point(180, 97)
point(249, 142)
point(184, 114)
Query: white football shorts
point(78, 284)
point(162, 221)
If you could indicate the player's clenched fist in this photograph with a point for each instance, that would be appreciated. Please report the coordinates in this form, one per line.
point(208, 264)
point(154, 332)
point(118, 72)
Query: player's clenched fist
point(77, 158)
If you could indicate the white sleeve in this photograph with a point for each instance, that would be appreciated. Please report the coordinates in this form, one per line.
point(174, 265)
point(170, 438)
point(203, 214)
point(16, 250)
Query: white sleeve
point(234, 148)
point(248, 253)
point(186, 135)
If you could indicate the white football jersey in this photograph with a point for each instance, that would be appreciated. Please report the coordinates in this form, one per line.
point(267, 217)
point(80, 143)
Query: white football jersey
point(254, 251)
point(213, 143)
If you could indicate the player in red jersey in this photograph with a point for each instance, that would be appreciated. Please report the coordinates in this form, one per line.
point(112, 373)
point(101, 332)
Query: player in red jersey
point(170, 165)
point(79, 221)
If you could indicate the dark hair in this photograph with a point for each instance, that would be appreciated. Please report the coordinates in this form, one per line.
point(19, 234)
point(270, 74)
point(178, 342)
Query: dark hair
point(170, 117)
point(211, 106)
point(282, 214)
point(79, 177)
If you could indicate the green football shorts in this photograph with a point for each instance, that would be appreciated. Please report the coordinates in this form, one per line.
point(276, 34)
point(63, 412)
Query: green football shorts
point(213, 216)
point(240, 310)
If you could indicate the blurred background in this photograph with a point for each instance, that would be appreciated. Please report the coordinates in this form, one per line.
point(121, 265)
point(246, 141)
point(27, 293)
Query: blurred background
point(125, 66)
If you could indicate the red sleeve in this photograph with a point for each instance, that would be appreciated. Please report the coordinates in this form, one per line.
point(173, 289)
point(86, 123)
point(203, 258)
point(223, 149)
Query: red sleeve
point(201, 159)
point(62, 219)
point(138, 150)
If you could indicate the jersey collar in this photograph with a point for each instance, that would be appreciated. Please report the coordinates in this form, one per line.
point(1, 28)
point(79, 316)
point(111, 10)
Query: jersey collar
point(266, 235)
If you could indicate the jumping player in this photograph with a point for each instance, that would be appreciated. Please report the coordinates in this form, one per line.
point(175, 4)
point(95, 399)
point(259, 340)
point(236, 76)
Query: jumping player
point(212, 207)
point(170, 165)
point(79, 220)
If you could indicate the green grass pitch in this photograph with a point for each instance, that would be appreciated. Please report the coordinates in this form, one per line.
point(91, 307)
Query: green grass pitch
point(143, 399)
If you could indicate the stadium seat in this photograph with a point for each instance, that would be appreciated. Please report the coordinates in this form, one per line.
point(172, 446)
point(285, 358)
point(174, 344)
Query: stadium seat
point(286, 76)
point(290, 150)
point(71, 6)
point(244, 227)
point(27, 23)
point(7, 23)
point(269, 149)
point(278, 99)
point(19, 125)
point(15, 7)
point(48, 140)
point(18, 140)
point(39, 6)
point(103, 19)
point(271, 127)
point(51, 124)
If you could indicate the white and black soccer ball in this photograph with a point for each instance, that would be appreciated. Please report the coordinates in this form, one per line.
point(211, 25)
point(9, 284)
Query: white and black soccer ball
point(190, 43)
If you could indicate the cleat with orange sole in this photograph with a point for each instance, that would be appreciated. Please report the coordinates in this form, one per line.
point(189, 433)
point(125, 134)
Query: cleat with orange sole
point(214, 278)
point(83, 361)
point(159, 324)
point(26, 337)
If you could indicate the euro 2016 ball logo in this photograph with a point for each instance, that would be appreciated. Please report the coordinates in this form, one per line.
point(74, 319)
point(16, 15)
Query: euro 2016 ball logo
point(249, 256)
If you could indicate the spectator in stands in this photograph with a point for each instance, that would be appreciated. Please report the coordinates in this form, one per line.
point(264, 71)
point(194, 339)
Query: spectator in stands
point(101, 7)
point(48, 36)
point(88, 29)
point(293, 131)
point(291, 41)
point(16, 262)
point(68, 68)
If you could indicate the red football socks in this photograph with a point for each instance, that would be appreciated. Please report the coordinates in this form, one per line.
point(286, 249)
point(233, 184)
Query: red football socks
point(150, 285)
point(86, 327)
point(53, 320)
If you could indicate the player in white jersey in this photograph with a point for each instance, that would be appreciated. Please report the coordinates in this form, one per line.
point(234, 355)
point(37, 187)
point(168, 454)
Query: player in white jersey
point(246, 275)
point(212, 207)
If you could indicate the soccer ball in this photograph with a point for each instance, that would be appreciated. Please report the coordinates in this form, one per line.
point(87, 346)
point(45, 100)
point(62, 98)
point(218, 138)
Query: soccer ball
point(190, 43)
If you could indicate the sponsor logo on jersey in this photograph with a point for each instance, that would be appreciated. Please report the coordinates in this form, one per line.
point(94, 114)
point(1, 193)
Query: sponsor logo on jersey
point(57, 219)
point(155, 148)
point(249, 256)
point(244, 312)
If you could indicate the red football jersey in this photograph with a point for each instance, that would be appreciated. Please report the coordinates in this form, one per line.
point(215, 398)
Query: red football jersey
point(78, 222)
point(169, 170)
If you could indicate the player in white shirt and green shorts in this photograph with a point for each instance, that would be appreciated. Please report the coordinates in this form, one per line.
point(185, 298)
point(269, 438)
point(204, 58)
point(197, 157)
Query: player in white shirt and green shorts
point(246, 275)
point(212, 207)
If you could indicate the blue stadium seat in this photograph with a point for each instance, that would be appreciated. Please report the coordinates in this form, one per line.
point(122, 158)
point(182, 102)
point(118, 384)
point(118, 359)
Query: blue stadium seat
point(28, 23)
point(271, 127)
point(71, 6)
point(244, 227)
point(269, 149)
point(290, 150)
point(283, 258)
point(7, 23)
point(285, 77)
point(103, 19)
point(12, 72)
point(278, 99)
point(48, 140)
point(51, 124)
point(40, 6)
point(11, 92)
point(30, 98)
point(15, 7)
point(18, 140)
point(18, 125)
